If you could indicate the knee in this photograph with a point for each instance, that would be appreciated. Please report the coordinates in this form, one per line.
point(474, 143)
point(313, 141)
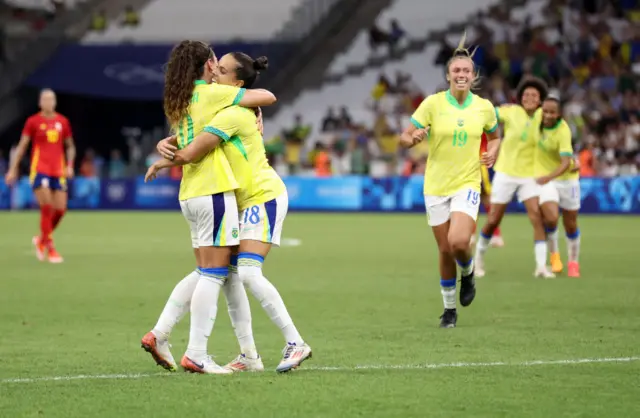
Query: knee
point(459, 243)
point(550, 223)
point(535, 217)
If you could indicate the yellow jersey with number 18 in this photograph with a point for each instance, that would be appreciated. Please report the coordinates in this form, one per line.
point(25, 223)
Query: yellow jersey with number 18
point(244, 148)
point(212, 174)
point(521, 133)
point(553, 144)
point(454, 140)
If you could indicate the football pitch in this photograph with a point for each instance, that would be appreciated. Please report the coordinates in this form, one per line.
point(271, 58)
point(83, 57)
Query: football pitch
point(364, 292)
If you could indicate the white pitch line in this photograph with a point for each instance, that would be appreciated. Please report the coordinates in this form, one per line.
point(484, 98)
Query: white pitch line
point(425, 366)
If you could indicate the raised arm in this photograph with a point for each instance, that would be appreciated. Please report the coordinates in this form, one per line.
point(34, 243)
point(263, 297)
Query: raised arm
point(256, 98)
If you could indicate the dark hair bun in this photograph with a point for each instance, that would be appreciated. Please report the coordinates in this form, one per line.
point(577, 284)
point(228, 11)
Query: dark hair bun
point(261, 64)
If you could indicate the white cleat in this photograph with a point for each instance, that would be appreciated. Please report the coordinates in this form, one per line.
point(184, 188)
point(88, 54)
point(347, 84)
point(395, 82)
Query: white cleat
point(206, 366)
point(243, 363)
point(496, 242)
point(544, 272)
point(293, 356)
point(478, 268)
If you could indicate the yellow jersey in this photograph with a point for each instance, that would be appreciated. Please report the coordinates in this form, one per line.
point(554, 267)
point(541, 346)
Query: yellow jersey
point(520, 135)
point(212, 174)
point(244, 148)
point(553, 144)
point(454, 140)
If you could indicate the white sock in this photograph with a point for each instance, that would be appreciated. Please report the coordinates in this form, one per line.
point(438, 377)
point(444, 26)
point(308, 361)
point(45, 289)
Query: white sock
point(177, 306)
point(466, 269)
point(204, 308)
point(573, 246)
point(250, 271)
point(482, 246)
point(552, 240)
point(240, 313)
point(448, 290)
point(540, 250)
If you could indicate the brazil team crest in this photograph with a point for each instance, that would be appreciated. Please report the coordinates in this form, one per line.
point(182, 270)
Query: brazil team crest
point(234, 232)
point(461, 122)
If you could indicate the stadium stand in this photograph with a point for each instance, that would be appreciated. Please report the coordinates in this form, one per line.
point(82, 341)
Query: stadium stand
point(199, 19)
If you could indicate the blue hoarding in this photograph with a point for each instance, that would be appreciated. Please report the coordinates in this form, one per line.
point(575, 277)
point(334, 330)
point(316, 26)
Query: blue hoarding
point(133, 72)
point(347, 194)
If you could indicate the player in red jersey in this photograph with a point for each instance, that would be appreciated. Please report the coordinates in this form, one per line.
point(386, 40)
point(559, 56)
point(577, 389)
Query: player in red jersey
point(496, 239)
point(50, 133)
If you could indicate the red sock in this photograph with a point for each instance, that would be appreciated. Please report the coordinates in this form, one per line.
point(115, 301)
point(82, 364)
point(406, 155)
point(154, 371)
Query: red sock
point(497, 233)
point(57, 217)
point(46, 217)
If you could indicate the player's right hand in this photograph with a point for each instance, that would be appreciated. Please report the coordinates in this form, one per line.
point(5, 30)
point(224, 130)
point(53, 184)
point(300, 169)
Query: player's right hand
point(419, 134)
point(166, 149)
point(11, 177)
point(152, 173)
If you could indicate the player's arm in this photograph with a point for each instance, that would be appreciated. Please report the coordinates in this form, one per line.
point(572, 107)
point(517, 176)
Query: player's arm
point(225, 96)
point(419, 127)
point(220, 129)
point(21, 149)
point(493, 139)
point(70, 148)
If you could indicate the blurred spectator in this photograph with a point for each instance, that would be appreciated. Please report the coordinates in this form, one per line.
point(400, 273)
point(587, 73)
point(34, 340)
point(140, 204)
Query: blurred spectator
point(117, 166)
point(377, 37)
point(345, 117)
point(321, 161)
point(87, 166)
point(330, 122)
point(396, 35)
point(99, 21)
point(294, 140)
point(3, 164)
point(131, 17)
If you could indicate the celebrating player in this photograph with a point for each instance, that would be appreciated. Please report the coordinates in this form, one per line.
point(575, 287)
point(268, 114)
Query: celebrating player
point(207, 200)
point(262, 202)
point(514, 172)
point(560, 185)
point(51, 134)
point(456, 120)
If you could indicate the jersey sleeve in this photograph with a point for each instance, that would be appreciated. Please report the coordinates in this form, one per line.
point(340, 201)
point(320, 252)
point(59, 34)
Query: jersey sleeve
point(28, 130)
point(565, 147)
point(225, 124)
point(224, 96)
point(421, 118)
point(503, 112)
point(492, 117)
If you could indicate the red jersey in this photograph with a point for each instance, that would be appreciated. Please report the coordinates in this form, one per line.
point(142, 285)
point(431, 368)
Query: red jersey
point(47, 137)
point(483, 144)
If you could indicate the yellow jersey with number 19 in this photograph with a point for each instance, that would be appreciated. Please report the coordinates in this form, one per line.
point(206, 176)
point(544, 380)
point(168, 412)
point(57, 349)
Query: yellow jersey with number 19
point(521, 133)
point(454, 140)
point(244, 148)
point(212, 174)
point(553, 144)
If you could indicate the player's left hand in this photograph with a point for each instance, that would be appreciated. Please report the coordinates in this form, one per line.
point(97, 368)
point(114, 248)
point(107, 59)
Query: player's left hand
point(259, 121)
point(152, 173)
point(70, 172)
point(166, 149)
point(488, 159)
point(543, 180)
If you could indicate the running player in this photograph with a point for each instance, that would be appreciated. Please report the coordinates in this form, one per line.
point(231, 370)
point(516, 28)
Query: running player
point(560, 185)
point(51, 134)
point(514, 172)
point(456, 120)
point(262, 202)
point(207, 200)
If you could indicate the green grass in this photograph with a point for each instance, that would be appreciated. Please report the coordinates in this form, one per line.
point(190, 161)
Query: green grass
point(362, 289)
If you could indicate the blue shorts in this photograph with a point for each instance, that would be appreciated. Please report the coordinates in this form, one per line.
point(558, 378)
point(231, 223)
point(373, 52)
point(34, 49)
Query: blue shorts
point(48, 182)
